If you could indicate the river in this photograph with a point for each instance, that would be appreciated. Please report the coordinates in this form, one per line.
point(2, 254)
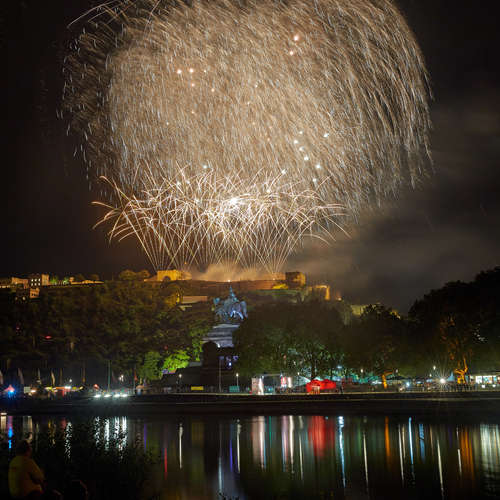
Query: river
point(323, 456)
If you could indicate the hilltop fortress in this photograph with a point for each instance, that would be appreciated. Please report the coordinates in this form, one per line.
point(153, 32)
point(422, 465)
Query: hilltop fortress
point(288, 282)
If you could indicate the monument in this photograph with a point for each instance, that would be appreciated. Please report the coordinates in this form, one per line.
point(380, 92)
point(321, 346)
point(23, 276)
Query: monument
point(230, 309)
point(230, 312)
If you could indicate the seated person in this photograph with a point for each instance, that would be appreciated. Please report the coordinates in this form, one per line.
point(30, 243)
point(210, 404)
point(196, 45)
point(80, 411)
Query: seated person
point(25, 477)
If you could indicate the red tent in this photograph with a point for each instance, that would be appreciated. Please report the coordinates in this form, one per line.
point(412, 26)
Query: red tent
point(328, 385)
point(320, 385)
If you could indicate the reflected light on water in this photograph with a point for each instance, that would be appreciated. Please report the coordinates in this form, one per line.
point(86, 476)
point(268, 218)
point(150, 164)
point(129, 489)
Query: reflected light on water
point(310, 456)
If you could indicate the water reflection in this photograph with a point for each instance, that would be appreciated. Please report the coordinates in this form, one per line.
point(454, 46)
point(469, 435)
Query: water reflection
point(308, 456)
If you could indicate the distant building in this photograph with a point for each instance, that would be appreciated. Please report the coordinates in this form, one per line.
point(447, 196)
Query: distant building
point(86, 282)
point(294, 281)
point(170, 275)
point(187, 301)
point(273, 276)
point(37, 280)
point(13, 282)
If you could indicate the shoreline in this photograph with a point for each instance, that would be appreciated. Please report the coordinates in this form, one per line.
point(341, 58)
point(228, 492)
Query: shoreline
point(438, 403)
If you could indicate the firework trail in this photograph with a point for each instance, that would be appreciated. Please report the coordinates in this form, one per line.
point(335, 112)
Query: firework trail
point(231, 130)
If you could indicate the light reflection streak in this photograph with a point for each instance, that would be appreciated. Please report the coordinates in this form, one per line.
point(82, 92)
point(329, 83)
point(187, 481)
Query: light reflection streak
point(165, 457)
point(238, 432)
point(300, 459)
point(341, 447)
point(106, 433)
point(263, 443)
point(400, 455)
point(231, 454)
point(28, 427)
point(490, 455)
point(422, 442)
point(219, 460)
point(458, 453)
point(181, 431)
point(440, 468)
point(386, 440)
point(466, 453)
point(410, 440)
point(366, 463)
point(67, 439)
point(284, 442)
point(10, 430)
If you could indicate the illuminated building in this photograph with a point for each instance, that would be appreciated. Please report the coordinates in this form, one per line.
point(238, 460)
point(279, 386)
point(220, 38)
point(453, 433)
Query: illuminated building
point(37, 280)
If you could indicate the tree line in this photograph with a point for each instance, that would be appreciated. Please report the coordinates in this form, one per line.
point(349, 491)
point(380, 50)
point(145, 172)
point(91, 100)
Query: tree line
point(139, 327)
point(128, 323)
point(455, 329)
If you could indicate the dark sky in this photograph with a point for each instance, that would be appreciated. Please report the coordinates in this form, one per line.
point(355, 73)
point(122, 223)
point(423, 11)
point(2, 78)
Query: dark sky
point(447, 229)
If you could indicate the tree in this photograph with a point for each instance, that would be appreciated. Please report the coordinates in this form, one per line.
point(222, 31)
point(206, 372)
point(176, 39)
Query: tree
point(79, 278)
point(127, 275)
point(376, 342)
point(94, 277)
point(289, 338)
point(175, 360)
point(314, 329)
point(118, 322)
point(459, 323)
point(143, 275)
point(149, 369)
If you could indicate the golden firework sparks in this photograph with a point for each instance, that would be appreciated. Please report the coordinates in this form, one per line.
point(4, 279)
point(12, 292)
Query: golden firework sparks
point(232, 130)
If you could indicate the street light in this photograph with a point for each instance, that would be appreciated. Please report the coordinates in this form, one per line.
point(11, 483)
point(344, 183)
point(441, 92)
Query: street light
point(238, 381)
point(179, 380)
point(220, 382)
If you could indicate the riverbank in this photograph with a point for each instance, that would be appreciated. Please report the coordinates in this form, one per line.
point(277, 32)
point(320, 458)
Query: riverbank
point(442, 403)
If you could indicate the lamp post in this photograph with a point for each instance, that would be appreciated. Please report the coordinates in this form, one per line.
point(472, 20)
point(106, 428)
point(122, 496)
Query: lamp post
point(220, 388)
point(179, 380)
point(238, 381)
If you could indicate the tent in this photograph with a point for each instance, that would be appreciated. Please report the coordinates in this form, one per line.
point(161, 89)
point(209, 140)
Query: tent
point(315, 386)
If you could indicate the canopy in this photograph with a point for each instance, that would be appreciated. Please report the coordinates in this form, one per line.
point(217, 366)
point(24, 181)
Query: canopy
point(323, 385)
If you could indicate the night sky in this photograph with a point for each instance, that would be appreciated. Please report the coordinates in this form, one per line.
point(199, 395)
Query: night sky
point(447, 229)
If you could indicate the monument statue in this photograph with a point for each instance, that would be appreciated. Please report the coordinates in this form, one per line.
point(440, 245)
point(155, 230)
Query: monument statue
point(230, 309)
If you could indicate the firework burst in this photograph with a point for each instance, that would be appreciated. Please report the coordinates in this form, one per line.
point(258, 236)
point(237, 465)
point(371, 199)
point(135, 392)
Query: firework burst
point(231, 130)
